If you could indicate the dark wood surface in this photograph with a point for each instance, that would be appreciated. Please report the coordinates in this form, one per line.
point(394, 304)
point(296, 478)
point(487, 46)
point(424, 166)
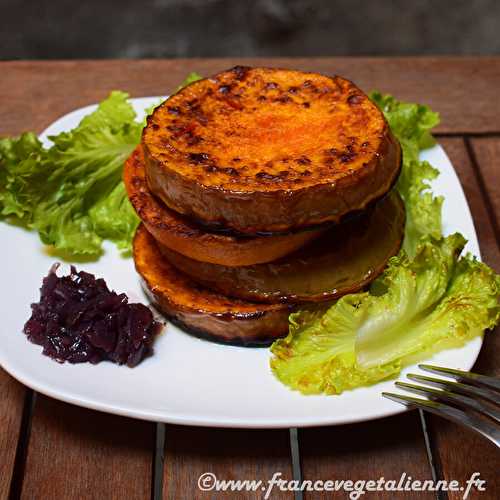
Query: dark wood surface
point(463, 90)
point(49, 449)
point(227, 453)
point(371, 450)
point(11, 413)
point(78, 453)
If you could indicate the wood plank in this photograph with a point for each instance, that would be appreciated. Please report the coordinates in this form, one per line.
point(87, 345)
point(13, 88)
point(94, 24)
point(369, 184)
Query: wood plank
point(463, 90)
point(368, 451)
point(487, 154)
point(11, 409)
point(227, 453)
point(79, 453)
point(459, 451)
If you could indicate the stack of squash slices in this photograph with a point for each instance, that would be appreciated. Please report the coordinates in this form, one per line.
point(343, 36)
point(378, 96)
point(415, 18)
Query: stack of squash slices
point(261, 191)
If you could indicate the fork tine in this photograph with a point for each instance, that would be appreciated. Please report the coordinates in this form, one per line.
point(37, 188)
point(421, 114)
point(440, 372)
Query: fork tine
point(449, 397)
point(475, 378)
point(484, 427)
point(457, 387)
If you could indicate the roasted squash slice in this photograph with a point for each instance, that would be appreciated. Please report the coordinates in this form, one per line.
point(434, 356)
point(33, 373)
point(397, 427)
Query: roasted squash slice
point(200, 311)
point(261, 150)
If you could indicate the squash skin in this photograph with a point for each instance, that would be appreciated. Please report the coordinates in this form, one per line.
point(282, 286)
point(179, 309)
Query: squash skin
point(187, 238)
point(346, 259)
point(242, 151)
point(202, 312)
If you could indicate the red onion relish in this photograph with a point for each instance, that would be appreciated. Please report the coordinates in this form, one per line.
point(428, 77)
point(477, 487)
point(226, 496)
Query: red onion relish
point(79, 319)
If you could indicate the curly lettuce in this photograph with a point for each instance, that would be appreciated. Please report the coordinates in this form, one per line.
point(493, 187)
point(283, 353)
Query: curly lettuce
point(191, 78)
point(15, 199)
point(431, 302)
point(72, 193)
point(411, 124)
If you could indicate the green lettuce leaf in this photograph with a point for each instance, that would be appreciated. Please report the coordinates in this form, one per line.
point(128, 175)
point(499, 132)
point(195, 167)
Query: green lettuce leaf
point(423, 209)
point(15, 177)
point(413, 288)
point(72, 193)
point(431, 302)
point(411, 124)
point(192, 77)
point(118, 229)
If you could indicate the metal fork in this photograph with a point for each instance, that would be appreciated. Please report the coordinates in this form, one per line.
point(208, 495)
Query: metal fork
point(470, 399)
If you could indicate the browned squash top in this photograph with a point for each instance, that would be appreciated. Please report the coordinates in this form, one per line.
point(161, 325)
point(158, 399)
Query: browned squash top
point(261, 129)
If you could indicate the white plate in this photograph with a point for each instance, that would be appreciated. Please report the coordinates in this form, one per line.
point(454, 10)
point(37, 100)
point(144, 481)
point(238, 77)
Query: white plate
point(188, 380)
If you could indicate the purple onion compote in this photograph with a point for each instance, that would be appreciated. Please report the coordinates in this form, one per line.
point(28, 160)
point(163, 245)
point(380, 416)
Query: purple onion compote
point(79, 319)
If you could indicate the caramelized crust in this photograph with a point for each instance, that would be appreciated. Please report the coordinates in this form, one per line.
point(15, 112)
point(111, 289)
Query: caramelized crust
point(269, 150)
point(344, 260)
point(187, 238)
point(199, 310)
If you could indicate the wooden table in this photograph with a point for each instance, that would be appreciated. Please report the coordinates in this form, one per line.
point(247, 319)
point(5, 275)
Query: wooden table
point(52, 450)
